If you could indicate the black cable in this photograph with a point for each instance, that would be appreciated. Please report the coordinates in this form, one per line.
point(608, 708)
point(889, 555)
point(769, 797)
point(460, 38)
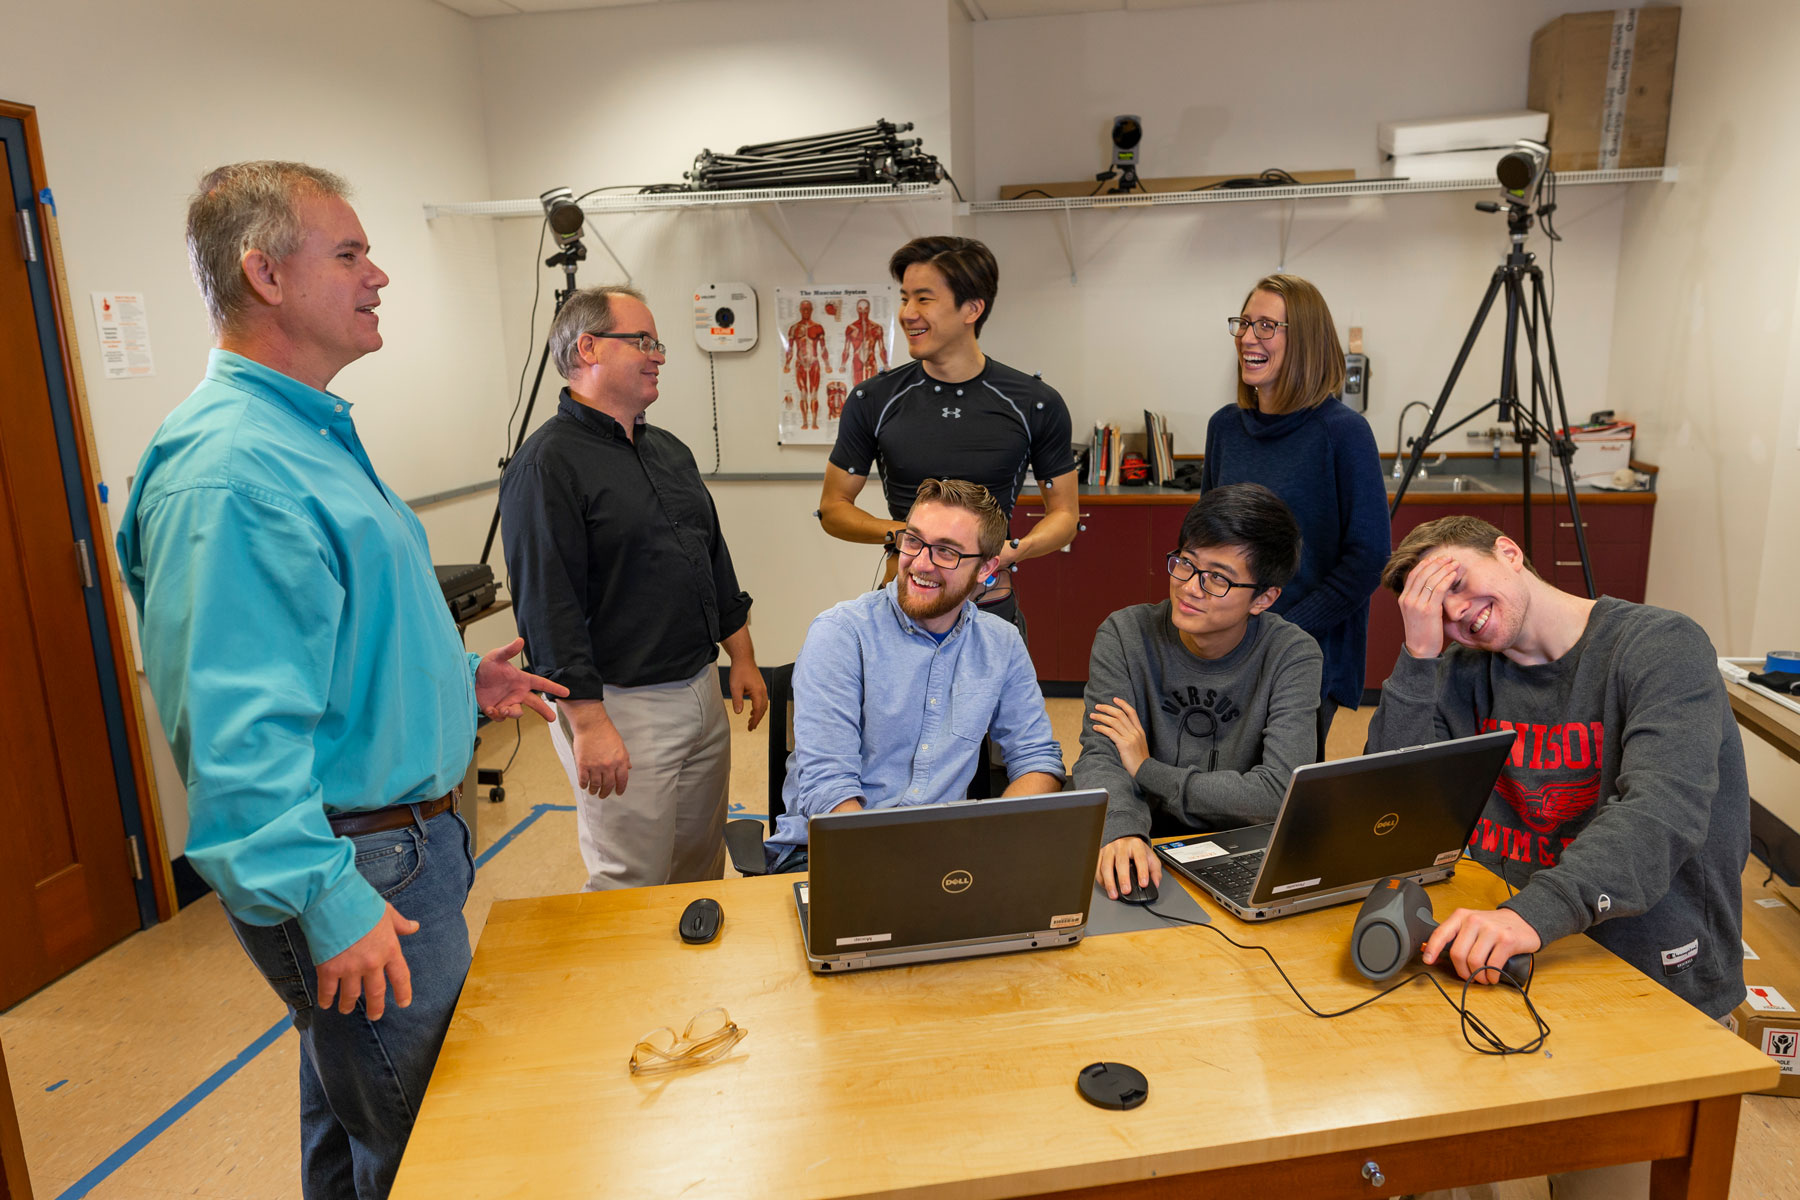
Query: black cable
point(712, 371)
point(518, 740)
point(957, 190)
point(1495, 1045)
point(530, 333)
point(1270, 177)
point(1544, 214)
point(1029, 191)
point(1768, 857)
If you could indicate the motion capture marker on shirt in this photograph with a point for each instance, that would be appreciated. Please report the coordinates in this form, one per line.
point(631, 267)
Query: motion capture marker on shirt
point(1112, 1085)
point(939, 388)
point(959, 391)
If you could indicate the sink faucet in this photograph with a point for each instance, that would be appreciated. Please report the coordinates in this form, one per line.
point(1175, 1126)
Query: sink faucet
point(1400, 446)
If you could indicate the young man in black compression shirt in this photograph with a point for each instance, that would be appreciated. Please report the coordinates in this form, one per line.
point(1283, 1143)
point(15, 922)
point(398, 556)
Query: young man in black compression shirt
point(951, 413)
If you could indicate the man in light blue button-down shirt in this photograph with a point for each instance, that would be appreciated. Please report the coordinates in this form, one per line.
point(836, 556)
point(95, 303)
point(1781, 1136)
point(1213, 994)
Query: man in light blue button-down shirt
point(310, 679)
point(894, 690)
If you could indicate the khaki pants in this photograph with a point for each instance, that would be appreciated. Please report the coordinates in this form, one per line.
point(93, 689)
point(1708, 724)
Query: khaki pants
point(668, 826)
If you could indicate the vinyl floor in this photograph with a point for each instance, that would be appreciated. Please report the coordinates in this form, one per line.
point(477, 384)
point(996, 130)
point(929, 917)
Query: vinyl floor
point(165, 1067)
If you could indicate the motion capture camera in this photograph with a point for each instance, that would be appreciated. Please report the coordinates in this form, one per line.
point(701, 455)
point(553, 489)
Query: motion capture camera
point(565, 216)
point(1392, 927)
point(1127, 132)
point(1522, 170)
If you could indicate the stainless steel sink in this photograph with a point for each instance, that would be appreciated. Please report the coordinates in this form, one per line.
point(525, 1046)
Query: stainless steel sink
point(1446, 483)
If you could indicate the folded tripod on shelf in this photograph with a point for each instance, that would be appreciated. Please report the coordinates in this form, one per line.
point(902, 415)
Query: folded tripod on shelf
point(869, 154)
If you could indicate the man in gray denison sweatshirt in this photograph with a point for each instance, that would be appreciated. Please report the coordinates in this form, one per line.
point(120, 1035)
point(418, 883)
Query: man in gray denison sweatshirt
point(1624, 811)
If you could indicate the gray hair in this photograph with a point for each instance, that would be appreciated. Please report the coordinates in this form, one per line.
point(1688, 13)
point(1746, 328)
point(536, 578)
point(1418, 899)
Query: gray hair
point(586, 311)
point(242, 207)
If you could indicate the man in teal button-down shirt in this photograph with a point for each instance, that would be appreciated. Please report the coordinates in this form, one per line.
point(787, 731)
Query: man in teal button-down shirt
point(311, 681)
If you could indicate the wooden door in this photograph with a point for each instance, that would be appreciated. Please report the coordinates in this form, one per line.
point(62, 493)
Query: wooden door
point(66, 889)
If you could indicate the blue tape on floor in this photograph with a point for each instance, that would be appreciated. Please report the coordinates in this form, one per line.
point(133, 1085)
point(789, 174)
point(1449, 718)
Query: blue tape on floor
point(505, 839)
point(175, 1112)
point(181, 1107)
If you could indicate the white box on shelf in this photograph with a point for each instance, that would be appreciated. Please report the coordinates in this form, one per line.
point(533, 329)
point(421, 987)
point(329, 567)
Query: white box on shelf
point(1598, 453)
point(1440, 134)
point(1449, 164)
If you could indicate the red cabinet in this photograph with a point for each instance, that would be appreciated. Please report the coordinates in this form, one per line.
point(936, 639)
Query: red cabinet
point(1116, 560)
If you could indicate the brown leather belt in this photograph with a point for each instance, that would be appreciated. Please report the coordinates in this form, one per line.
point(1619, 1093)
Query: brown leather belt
point(394, 816)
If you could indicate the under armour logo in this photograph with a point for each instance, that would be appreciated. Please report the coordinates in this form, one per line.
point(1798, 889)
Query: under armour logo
point(953, 412)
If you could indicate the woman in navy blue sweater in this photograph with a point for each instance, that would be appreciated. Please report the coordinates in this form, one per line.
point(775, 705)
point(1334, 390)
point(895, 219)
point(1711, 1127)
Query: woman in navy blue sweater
point(1291, 433)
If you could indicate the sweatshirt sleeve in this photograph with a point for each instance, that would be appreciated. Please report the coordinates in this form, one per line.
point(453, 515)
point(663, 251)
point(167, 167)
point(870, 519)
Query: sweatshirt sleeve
point(1410, 712)
point(1367, 534)
point(1674, 712)
point(1109, 675)
point(1226, 799)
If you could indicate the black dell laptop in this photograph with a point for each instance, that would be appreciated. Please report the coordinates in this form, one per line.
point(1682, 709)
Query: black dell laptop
point(1346, 825)
point(888, 886)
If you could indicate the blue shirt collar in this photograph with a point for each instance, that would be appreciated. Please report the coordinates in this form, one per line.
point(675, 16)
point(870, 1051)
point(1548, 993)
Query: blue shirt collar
point(908, 625)
point(316, 408)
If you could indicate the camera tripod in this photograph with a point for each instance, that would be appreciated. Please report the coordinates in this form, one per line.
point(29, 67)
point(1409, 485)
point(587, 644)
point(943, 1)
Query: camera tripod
point(1528, 427)
point(568, 258)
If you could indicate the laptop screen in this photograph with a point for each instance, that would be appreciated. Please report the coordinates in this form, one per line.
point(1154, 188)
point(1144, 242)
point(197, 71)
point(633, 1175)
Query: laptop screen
point(888, 879)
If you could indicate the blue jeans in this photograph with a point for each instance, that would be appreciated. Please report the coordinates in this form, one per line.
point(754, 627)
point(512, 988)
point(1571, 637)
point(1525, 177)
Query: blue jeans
point(360, 1080)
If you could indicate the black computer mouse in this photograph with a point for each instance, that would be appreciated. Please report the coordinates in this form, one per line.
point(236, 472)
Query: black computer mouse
point(700, 921)
point(1142, 890)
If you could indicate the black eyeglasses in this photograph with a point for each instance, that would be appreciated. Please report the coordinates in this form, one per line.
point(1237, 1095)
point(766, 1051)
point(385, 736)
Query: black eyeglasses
point(645, 342)
point(1211, 582)
point(947, 557)
point(1265, 328)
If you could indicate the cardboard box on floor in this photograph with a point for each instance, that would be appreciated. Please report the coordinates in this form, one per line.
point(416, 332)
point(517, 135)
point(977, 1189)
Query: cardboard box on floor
point(1606, 79)
point(1767, 1018)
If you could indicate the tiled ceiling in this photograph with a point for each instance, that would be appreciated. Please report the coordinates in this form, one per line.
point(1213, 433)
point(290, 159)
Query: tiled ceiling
point(978, 10)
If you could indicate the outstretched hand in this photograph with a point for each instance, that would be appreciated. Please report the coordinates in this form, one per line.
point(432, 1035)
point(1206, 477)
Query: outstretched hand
point(503, 691)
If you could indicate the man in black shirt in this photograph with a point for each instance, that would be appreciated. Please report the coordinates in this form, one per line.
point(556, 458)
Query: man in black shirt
point(623, 590)
point(951, 413)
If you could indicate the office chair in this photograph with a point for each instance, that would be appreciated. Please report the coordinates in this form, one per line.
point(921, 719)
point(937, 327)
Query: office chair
point(744, 837)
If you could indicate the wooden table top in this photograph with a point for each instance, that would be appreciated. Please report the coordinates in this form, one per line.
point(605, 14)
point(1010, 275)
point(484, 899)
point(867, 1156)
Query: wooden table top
point(958, 1079)
point(1774, 723)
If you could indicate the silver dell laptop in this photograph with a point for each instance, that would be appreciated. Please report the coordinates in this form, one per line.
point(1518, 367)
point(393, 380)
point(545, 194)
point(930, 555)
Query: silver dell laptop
point(1344, 826)
point(888, 886)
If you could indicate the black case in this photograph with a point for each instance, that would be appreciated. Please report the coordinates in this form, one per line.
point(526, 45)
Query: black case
point(468, 588)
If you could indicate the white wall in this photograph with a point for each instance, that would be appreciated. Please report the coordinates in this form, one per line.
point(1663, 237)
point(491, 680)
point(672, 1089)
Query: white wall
point(1297, 84)
point(135, 101)
point(658, 84)
point(1706, 351)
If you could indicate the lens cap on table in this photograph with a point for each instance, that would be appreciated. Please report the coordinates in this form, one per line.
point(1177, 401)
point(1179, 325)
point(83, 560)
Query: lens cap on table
point(1112, 1085)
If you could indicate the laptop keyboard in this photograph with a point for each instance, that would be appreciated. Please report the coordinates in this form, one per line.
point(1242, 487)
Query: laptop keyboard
point(1232, 877)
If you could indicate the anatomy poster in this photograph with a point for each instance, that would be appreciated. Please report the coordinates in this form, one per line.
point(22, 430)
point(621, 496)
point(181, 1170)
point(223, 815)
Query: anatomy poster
point(832, 338)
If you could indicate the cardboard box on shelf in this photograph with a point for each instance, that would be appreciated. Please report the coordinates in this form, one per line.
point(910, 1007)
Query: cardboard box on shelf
point(1606, 79)
point(1767, 1018)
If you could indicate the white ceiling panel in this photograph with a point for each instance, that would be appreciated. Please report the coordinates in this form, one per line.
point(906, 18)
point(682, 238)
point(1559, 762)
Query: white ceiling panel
point(1001, 10)
point(481, 8)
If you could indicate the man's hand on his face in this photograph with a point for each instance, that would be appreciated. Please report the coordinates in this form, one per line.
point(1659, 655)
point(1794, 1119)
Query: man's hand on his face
point(1422, 604)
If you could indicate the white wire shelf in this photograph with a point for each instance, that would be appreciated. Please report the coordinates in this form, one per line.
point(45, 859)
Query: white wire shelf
point(677, 201)
point(1305, 191)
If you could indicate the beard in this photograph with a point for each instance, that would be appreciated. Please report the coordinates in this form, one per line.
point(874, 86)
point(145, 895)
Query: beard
point(923, 606)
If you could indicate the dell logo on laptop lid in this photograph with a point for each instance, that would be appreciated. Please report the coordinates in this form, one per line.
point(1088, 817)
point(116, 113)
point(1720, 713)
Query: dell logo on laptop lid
point(957, 881)
point(1387, 824)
